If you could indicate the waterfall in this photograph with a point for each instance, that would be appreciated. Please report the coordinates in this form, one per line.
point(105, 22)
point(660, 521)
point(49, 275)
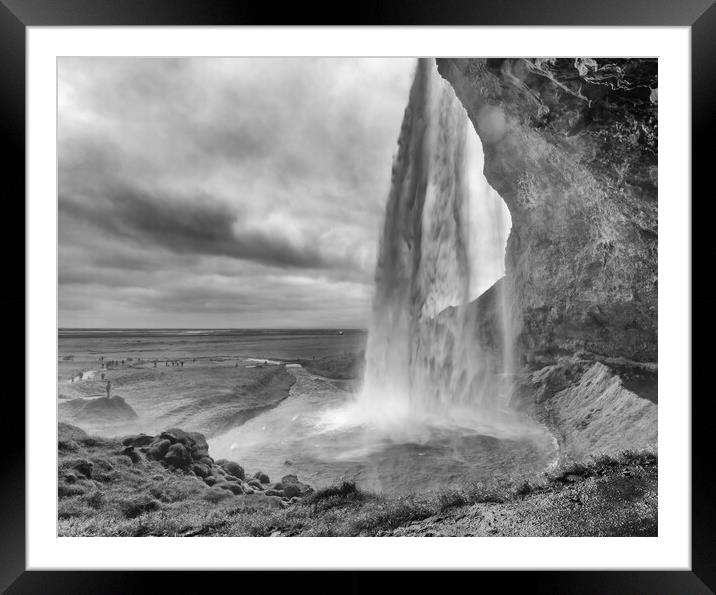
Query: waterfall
point(435, 354)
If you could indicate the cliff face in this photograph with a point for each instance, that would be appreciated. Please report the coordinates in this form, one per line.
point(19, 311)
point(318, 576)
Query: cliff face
point(571, 146)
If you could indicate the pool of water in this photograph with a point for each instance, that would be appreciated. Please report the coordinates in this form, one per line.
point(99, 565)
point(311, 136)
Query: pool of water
point(302, 436)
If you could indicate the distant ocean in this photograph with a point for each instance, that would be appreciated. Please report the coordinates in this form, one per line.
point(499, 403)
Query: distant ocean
point(209, 343)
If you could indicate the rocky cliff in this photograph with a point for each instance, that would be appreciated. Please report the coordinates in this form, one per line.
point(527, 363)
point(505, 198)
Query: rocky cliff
point(571, 146)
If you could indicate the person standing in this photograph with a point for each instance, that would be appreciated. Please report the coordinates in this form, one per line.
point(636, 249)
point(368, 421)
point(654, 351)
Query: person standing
point(108, 388)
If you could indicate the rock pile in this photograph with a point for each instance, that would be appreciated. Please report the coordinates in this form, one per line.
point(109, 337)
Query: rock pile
point(188, 452)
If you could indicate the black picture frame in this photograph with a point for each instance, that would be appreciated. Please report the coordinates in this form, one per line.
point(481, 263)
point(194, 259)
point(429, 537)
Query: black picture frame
point(17, 15)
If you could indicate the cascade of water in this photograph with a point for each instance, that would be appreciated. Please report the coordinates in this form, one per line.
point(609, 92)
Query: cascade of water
point(441, 247)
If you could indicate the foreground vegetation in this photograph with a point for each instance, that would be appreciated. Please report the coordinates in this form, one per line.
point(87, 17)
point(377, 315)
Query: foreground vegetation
point(122, 497)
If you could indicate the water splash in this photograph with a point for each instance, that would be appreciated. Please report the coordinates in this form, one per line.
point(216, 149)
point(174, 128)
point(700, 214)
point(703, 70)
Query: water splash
point(436, 357)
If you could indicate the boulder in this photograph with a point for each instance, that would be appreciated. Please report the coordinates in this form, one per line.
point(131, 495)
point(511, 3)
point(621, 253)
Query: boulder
point(256, 484)
point(291, 490)
point(201, 470)
point(178, 456)
point(130, 452)
point(174, 435)
point(201, 447)
point(138, 440)
point(159, 448)
point(234, 488)
point(274, 493)
point(232, 468)
point(291, 486)
point(210, 481)
point(262, 477)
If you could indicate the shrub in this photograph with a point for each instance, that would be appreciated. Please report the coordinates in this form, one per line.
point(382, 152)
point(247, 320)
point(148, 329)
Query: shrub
point(95, 500)
point(347, 489)
point(215, 495)
point(133, 507)
point(65, 490)
point(524, 489)
point(449, 499)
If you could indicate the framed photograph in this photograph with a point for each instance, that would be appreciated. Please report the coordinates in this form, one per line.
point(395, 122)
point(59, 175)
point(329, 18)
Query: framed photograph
point(300, 294)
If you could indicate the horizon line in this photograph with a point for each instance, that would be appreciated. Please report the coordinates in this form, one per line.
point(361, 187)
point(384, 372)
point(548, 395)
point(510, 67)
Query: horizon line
point(206, 328)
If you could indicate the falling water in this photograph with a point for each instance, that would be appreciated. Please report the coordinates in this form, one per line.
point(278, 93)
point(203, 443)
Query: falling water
point(433, 410)
point(434, 354)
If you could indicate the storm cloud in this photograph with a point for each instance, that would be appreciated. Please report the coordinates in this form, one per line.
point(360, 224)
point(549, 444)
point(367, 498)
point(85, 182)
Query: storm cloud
point(227, 192)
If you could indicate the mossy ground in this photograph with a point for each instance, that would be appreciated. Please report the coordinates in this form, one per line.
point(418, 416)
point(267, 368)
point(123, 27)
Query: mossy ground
point(126, 498)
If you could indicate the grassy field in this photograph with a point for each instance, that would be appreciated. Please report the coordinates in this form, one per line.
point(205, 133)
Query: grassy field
point(126, 497)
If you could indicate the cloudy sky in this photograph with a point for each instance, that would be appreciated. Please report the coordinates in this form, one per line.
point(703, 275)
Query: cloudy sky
point(223, 192)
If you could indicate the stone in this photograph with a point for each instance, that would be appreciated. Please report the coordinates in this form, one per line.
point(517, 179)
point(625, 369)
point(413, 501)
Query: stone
point(178, 456)
point(256, 484)
point(210, 481)
point(234, 488)
point(291, 486)
point(159, 448)
point(130, 452)
point(274, 493)
point(291, 490)
point(262, 477)
point(231, 468)
point(201, 470)
point(176, 435)
point(138, 440)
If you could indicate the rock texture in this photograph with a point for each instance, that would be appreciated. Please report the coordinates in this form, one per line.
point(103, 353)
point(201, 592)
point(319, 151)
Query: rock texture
point(102, 410)
point(571, 146)
point(591, 410)
point(188, 453)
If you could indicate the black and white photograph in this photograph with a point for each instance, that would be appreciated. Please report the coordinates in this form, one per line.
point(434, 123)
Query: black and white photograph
point(357, 297)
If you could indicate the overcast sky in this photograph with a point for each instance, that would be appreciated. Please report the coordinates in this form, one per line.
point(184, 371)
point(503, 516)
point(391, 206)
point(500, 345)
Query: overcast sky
point(223, 192)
